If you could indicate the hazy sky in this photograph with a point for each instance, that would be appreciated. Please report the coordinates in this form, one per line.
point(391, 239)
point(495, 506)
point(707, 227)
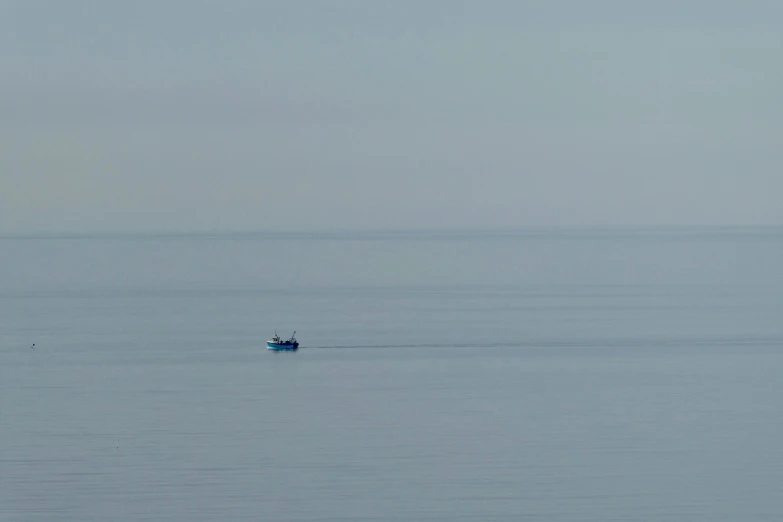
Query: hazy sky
point(195, 115)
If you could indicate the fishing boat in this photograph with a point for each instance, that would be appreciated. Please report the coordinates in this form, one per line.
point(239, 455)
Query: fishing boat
point(276, 343)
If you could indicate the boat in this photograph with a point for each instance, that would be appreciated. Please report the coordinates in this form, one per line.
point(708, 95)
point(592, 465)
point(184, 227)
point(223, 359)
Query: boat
point(276, 343)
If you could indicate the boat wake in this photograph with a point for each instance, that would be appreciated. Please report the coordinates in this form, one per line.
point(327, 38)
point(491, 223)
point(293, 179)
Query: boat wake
point(571, 343)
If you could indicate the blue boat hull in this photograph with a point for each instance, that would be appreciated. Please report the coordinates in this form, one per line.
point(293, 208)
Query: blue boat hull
point(282, 347)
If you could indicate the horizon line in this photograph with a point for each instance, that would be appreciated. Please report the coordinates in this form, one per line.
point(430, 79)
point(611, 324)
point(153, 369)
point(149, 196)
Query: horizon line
point(342, 232)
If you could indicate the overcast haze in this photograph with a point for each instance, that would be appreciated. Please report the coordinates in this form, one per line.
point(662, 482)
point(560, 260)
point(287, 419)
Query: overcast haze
point(194, 115)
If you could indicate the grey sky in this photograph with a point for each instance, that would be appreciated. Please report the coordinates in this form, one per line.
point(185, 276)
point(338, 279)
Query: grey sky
point(389, 114)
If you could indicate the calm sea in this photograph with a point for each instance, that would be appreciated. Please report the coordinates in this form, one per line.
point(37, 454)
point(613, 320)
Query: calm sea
point(583, 375)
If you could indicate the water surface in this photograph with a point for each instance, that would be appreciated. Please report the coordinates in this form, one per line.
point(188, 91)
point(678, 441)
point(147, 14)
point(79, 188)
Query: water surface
point(507, 375)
